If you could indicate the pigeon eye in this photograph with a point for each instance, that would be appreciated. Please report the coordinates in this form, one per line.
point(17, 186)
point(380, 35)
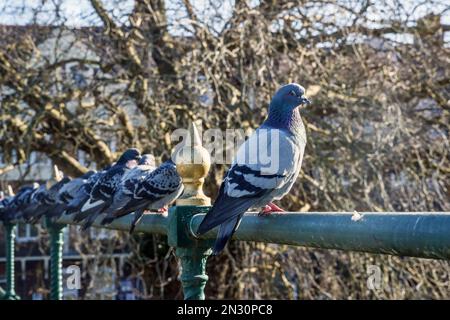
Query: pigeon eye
point(292, 93)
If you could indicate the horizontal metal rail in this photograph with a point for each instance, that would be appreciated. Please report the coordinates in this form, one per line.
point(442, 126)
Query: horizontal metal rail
point(416, 234)
point(150, 223)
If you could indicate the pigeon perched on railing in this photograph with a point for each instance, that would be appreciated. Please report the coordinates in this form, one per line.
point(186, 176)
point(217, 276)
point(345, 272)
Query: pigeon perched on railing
point(82, 194)
point(42, 200)
point(37, 199)
point(66, 194)
point(5, 201)
point(19, 202)
point(155, 190)
point(265, 168)
point(102, 192)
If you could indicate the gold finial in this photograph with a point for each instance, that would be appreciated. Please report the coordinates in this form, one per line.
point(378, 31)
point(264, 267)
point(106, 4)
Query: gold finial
point(193, 163)
point(56, 177)
point(10, 191)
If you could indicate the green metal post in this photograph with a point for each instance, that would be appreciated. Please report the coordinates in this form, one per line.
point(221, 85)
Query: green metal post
point(193, 253)
point(10, 235)
point(56, 243)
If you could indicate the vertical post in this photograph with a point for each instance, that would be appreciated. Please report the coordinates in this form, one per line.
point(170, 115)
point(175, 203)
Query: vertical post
point(56, 244)
point(56, 231)
point(10, 235)
point(193, 163)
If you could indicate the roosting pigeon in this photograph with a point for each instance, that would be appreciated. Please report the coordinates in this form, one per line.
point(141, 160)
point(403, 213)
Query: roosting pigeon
point(102, 193)
point(154, 190)
point(66, 194)
point(37, 199)
point(4, 205)
point(19, 202)
point(82, 194)
point(265, 168)
point(129, 182)
point(42, 200)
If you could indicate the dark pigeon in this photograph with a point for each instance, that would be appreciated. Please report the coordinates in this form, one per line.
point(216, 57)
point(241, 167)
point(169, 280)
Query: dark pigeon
point(154, 190)
point(66, 194)
point(101, 195)
point(82, 194)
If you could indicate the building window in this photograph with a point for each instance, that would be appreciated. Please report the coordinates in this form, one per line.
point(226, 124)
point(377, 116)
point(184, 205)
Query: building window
point(26, 233)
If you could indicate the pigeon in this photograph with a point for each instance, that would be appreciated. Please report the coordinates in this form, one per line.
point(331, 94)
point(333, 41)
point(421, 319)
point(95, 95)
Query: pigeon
point(128, 184)
point(102, 192)
point(67, 194)
point(82, 194)
point(42, 200)
point(4, 204)
point(37, 199)
point(19, 202)
point(265, 167)
point(154, 190)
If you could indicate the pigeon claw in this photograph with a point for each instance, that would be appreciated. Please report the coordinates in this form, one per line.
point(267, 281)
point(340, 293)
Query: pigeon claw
point(268, 209)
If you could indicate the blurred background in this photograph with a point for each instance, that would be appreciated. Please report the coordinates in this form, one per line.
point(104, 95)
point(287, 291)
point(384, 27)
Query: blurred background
point(82, 80)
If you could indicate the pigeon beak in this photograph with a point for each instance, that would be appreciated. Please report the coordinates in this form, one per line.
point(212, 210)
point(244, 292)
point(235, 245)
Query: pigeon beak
point(305, 101)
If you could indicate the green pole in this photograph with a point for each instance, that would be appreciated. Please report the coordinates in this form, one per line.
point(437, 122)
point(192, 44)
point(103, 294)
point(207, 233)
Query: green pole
point(10, 235)
point(193, 253)
point(56, 243)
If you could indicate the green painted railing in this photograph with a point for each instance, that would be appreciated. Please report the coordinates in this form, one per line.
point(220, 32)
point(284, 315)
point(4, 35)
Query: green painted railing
point(10, 235)
point(416, 234)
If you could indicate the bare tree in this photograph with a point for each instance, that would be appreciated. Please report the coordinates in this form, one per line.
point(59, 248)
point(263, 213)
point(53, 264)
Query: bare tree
point(378, 74)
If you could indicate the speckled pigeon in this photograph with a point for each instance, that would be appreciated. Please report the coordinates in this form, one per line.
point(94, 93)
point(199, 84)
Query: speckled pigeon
point(154, 190)
point(66, 194)
point(19, 202)
point(265, 168)
point(102, 193)
point(82, 194)
point(42, 200)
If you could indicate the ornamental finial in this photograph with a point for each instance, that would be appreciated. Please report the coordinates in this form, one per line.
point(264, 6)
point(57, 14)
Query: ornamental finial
point(193, 162)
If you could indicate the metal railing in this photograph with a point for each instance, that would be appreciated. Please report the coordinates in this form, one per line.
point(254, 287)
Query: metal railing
point(416, 234)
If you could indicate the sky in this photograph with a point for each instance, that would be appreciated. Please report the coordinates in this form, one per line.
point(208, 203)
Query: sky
point(77, 13)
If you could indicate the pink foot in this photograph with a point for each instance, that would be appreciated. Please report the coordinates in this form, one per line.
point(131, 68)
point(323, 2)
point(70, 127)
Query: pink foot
point(268, 209)
point(163, 210)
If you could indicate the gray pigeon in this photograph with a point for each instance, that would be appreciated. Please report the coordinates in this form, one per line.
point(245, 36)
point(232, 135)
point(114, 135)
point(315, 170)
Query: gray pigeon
point(265, 168)
point(66, 194)
point(102, 193)
point(155, 190)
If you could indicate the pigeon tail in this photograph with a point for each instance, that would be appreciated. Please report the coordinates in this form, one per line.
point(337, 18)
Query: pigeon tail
point(56, 211)
point(226, 231)
point(82, 215)
point(224, 209)
point(93, 213)
point(137, 217)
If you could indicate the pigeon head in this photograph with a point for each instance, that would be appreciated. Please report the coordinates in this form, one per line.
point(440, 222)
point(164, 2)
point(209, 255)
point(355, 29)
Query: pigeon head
point(289, 97)
point(147, 160)
point(88, 174)
point(129, 158)
point(283, 109)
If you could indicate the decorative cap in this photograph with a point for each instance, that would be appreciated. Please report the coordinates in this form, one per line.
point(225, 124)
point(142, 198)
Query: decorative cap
point(56, 177)
point(193, 162)
point(10, 191)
